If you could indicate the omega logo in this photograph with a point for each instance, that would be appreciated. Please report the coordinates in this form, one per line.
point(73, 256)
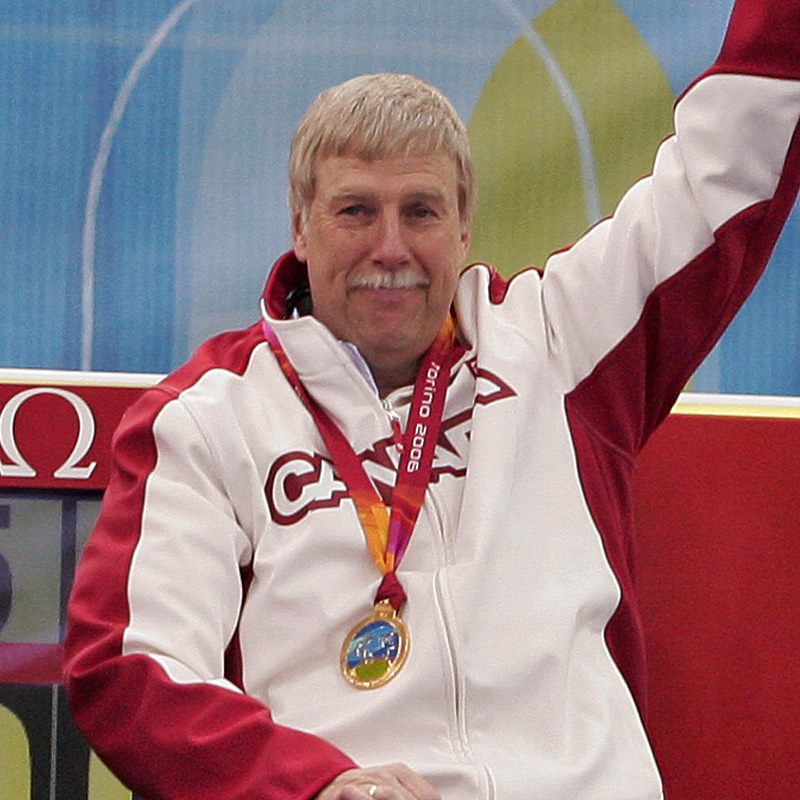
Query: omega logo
point(69, 470)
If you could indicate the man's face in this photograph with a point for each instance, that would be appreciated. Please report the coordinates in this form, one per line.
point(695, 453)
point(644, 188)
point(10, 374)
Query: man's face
point(384, 243)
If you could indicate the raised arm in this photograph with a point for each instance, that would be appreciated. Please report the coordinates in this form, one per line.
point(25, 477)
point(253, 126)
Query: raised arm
point(632, 308)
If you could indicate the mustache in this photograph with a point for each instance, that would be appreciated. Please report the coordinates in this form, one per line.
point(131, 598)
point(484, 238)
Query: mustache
point(402, 278)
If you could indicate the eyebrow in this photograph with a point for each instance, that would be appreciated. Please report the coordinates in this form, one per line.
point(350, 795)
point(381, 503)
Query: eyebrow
point(346, 194)
point(415, 195)
point(431, 195)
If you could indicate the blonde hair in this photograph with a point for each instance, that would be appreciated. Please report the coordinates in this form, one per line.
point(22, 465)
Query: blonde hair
point(379, 116)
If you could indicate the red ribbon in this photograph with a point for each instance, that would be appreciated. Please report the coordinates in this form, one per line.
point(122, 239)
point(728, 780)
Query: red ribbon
point(388, 536)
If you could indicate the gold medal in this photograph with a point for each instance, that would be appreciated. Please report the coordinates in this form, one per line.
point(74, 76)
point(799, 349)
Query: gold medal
point(375, 649)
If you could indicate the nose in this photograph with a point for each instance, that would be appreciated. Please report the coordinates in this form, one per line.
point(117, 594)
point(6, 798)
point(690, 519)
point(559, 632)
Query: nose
point(391, 246)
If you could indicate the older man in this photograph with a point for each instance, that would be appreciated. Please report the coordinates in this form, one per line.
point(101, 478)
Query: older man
point(391, 521)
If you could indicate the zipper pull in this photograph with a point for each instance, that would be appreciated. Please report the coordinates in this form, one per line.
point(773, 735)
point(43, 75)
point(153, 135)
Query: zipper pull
point(397, 432)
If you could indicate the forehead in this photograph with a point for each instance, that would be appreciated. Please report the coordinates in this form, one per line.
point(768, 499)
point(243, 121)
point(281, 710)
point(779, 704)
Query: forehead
point(413, 173)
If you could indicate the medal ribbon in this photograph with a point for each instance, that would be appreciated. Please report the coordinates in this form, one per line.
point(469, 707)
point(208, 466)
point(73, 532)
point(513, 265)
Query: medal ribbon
point(388, 537)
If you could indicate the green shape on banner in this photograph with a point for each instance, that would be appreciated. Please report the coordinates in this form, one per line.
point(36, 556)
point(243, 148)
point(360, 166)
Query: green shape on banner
point(527, 158)
point(15, 759)
point(103, 785)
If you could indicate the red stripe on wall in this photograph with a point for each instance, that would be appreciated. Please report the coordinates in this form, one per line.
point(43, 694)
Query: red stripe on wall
point(30, 663)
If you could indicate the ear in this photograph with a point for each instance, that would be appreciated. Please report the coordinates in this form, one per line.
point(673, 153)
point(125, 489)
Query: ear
point(299, 242)
point(466, 236)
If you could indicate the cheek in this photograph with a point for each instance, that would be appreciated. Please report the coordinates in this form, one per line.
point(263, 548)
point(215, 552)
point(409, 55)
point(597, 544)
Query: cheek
point(451, 260)
point(444, 289)
point(325, 291)
point(452, 285)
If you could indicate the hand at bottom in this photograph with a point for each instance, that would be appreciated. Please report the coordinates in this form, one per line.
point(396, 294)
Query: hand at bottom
point(383, 782)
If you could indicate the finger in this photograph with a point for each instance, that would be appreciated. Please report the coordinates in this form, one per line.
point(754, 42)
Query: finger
point(419, 788)
point(415, 784)
point(357, 791)
point(375, 791)
point(383, 782)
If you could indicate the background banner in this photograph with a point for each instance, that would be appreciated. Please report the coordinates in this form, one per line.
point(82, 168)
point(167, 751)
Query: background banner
point(143, 147)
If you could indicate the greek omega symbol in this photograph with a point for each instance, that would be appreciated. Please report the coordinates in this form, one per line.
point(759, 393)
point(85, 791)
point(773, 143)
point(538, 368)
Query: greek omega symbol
point(69, 470)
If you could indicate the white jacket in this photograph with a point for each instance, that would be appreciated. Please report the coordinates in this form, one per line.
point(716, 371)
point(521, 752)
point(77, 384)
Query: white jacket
point(228, 563)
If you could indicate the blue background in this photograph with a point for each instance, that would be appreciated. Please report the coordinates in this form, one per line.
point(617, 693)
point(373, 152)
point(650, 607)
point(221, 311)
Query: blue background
point(198, 100)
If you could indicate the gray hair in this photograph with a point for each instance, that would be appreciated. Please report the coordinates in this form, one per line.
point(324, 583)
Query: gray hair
point(379, 116)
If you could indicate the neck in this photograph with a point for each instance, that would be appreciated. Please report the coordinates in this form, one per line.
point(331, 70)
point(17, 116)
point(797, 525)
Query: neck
point(393, 368)
point(390, 377)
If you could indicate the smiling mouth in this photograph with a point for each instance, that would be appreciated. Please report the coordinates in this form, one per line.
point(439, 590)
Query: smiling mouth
point(389, 280)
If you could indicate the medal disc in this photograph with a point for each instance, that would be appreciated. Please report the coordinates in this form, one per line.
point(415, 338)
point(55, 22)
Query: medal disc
point(375, 649)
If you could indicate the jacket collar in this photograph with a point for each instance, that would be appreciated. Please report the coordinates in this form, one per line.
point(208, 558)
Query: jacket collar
point(287, 276)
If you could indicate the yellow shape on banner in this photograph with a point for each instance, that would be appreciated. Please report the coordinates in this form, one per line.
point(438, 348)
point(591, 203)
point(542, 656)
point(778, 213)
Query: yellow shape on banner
point(103, 785)
point(738, 406)
point(527, 156)
point(15, 759)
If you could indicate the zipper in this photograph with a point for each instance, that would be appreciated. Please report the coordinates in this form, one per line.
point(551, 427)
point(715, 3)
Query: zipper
point(461, 744)
point(444, 604)
point(462, 747)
